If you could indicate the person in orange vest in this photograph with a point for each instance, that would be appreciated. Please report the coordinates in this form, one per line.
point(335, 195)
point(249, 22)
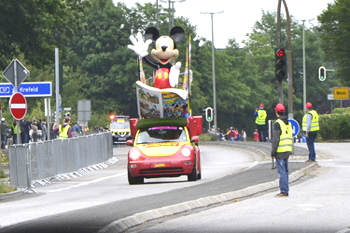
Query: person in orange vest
point(64, 130)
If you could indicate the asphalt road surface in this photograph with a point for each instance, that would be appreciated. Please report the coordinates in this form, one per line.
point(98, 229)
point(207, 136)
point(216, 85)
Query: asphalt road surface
point(92, 202)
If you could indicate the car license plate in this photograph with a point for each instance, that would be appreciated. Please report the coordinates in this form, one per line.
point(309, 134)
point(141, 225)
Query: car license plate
point(121, 139)
point(161, 165)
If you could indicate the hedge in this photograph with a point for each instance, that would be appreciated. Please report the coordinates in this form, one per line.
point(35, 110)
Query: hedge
point(335, 126)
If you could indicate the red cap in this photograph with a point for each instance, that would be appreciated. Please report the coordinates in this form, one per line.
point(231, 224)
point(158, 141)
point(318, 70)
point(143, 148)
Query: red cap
point(261, 106)
point(308, 105)
point(280, 108)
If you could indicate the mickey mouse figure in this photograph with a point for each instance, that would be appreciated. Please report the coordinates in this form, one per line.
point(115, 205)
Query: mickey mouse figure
point(163, 53)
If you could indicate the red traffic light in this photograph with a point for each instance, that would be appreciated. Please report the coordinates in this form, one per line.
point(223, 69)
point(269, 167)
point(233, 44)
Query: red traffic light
point(111, 117)
point(280, 52)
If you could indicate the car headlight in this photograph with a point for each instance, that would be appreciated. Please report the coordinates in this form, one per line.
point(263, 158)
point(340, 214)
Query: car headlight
point(185, 151)
point(135, 154)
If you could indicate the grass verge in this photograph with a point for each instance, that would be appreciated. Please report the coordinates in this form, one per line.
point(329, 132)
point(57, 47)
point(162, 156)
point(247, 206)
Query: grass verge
point(6, 189)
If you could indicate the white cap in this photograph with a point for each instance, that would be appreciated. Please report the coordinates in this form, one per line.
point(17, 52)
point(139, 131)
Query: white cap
point(2, 119)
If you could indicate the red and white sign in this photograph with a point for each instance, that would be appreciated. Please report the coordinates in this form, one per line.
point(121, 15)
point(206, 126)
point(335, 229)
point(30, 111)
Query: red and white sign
point(18, 105)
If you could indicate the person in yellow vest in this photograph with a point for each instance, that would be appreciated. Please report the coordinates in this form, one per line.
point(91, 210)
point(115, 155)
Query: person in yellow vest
point(260, 122)
point(311, 127)
point(64, 130)
point(15, 131)
point(282, 143)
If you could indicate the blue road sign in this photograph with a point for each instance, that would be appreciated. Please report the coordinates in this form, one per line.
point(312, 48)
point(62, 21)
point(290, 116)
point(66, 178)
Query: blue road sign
point(295, 127)
point(34, 89)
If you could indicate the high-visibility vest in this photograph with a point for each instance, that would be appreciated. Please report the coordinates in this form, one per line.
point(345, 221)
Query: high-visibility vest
point(286, 138)
point(314, 121)
point(261, 118)
point(15, 129)
point(63, 131)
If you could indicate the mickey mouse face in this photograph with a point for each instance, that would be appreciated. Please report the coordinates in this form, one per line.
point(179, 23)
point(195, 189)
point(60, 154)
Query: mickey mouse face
point(164, 51)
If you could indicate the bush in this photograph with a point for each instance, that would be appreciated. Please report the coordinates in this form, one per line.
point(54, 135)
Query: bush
point(208, 137)
point(335, 126)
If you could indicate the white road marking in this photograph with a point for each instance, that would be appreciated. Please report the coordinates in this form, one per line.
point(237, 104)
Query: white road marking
point(87, 183)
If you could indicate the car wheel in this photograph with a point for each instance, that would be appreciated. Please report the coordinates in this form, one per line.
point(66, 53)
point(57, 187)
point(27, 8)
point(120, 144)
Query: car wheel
point(193, 175)
point(135, 180)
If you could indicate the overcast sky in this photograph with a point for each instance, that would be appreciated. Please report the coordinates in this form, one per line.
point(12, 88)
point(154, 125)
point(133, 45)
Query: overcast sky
point(238, 17)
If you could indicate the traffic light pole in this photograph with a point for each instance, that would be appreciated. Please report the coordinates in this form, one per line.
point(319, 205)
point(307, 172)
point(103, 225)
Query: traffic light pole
point(289, 57)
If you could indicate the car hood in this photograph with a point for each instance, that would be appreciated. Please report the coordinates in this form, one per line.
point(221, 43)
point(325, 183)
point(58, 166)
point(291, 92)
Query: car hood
point(161, 149)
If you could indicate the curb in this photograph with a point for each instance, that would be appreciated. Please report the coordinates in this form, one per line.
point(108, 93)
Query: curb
point(124, 224)
point(6, 196)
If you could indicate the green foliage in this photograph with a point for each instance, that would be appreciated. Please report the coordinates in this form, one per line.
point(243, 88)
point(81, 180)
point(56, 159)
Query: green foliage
point(34, 28)
point(335, 23)
point(6, 189)
point(98, 121)
point(335, 126)
point(92, 36)
point(207, 137)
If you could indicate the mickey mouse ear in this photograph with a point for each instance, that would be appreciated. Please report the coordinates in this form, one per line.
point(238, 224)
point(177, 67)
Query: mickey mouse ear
point(152, 33)
point(177, 33)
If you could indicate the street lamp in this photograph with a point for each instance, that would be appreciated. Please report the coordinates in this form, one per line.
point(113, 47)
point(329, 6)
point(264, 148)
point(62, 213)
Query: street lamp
point(213, 68)
point(171, 11)
point(304, 67)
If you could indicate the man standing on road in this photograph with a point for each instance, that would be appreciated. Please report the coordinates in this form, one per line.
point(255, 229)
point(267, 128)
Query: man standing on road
point(260, 122)
point(282, 141)
point(311, 127)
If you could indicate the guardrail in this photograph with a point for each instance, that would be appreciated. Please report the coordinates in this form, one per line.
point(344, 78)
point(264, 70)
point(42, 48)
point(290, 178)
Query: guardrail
point(40, 162)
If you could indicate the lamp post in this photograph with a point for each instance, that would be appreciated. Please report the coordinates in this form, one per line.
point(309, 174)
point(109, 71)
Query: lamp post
point(304, 66)
point(171, 11)
point(213, 68)
point(157, 14)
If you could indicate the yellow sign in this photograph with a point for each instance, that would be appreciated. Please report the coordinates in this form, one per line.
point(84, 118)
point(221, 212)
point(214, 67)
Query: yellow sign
point(341, 93)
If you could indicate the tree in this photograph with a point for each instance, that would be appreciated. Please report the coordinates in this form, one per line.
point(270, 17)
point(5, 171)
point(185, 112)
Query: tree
point(34, 28)
point(335, 23)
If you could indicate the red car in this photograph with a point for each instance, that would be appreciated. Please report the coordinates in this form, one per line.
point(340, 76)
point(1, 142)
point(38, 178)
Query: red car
point(164, 148)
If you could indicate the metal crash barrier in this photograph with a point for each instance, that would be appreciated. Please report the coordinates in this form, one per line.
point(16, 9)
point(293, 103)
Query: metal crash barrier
point(40, 162)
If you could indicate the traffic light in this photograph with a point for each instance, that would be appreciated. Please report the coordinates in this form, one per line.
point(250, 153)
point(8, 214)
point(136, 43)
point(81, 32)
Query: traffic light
point(111, 117)
point(322, 73)
point(280, 64)
point(209, 114)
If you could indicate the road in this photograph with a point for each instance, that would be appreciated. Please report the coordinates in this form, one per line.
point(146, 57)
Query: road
point(88, 203)
point(316, 205)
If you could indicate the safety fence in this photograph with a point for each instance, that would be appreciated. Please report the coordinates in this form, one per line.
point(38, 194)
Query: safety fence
point(40, 162)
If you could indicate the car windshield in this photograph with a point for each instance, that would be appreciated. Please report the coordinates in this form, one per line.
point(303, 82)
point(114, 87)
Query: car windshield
point(162, 134)
point(119, 125)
